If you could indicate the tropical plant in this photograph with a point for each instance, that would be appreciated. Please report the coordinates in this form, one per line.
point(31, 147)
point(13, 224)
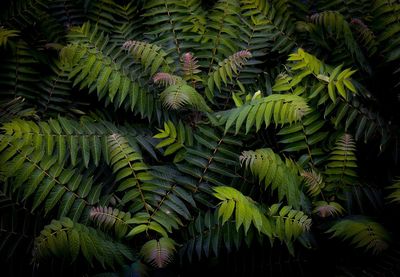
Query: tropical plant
point(164, 135)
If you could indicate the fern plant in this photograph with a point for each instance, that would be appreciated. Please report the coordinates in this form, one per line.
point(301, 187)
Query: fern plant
point(140, 137)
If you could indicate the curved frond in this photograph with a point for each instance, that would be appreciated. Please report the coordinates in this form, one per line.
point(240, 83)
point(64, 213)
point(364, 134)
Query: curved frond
point(168, 202)
point(334, 23)
point(246, 211)
point(6, 34)
point(227, 69)
point(111, 218)
point(275, 173)
point(152, 199)
point(15, 108)
point(49, 184)
point(290, 223)
point(177, 96)
point(345, 108)
point(365, 36)
point(363, 233)
point(279, 108)
point(333, 82)
point(166, 79)
point(67, 239)
point(314, 181)
point(326, 209)
point(94, 64)
point(394, 196)
point(159, 253)
point(149, 55)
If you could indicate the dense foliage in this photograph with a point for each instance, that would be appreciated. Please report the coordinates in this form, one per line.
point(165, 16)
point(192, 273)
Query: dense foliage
point(179, 136)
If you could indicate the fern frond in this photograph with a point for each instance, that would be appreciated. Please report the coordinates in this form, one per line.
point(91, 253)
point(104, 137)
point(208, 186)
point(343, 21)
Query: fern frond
point(227, 69)
point(108, 14)
point(345, 108)
point(386, 25)
point(176, 96)
point(174, 138)
point(300, 222)
point(363, 233)
point(64, 138)
point(288, 223)
point(168, 201)
point(394, 196)
point(325, 209)
point(342, 162)
point(23, 16)
point(314, 181)
point(6, 34)
point(305, 136)
point(48, 184)
point(55, 93)
point(18, 73)
point(337, 81)
point(246, 211)
point(149, 55)
point(183, 23)
point(301, 59)
point(220, 38)
point(140, 189)
point(130, 170)
point(67, 239)
point(365, 36)
point(262, 29)
point(159, 253)
point(166, 79)
point(273, 172)
point(335, 24)
point(190, 67)
point(95, 70)
point(111, 218)
point(272, 23)
point(100, 66)
point(67, 13)
point(206, 235)
point(364, 122)
point(212, 161)
point(15, 108)
point(278, 108)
